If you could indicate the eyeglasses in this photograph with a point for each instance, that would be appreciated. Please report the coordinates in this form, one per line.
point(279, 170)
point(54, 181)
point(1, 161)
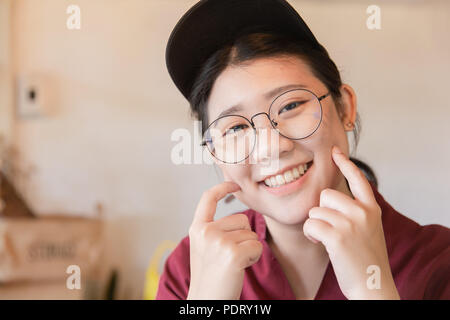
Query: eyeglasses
point(296, 114)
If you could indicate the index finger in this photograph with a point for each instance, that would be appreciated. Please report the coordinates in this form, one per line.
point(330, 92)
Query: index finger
point(358, 183)
point(206, 208)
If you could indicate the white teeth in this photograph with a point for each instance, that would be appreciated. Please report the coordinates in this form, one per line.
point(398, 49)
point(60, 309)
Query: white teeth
point(287, 177)
point(280, 179)
point(274, 181)
point(296, 173)
point(301, 169)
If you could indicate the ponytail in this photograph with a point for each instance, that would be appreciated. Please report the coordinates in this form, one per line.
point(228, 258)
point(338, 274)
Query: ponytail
point(367, 170)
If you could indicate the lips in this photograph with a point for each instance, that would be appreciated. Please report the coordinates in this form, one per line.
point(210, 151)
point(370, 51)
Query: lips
point(287, 175)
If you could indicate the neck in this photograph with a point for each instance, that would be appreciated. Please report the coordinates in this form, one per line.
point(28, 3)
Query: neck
point(290, 241)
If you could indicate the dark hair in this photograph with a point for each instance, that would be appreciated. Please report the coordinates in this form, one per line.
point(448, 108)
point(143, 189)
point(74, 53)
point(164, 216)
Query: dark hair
point(253, 45)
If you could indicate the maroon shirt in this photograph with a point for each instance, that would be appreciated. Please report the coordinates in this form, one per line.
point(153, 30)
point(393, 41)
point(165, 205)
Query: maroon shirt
point(419, 257)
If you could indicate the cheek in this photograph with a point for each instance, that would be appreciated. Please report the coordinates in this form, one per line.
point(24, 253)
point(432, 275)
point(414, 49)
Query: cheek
point(236, 173)
point(330, 131)
point(241, 175)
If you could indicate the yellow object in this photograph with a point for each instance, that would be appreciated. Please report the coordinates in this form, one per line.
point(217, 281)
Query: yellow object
point(152, 275)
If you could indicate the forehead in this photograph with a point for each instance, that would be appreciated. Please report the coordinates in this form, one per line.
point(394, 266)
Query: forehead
point(248, 84)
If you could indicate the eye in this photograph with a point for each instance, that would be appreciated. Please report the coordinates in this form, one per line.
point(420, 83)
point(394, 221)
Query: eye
point(235, 129)
point(291, 106)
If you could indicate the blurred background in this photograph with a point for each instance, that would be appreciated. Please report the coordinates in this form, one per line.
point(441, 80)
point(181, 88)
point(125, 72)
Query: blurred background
point(87, 114)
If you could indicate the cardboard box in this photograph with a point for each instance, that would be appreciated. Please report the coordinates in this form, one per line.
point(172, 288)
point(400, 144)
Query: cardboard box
point(42, 249)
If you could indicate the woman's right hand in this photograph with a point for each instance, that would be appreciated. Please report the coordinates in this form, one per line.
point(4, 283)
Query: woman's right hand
point(220, 250)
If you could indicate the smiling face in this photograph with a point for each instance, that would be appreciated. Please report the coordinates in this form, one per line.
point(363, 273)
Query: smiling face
point(247, 85)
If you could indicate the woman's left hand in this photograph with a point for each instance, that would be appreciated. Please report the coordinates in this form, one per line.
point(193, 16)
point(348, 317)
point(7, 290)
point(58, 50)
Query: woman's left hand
point(352, 233)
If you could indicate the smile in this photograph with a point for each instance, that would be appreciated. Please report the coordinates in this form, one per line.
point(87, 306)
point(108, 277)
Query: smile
point(287, 176)
point(287, 181)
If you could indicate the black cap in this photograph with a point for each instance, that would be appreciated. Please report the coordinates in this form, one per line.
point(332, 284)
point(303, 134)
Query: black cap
point(211, 24)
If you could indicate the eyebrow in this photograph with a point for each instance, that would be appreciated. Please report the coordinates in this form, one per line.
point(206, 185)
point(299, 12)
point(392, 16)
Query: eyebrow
point(267, 96)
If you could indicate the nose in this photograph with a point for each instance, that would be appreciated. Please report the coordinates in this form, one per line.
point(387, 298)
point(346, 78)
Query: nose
point(269, 143)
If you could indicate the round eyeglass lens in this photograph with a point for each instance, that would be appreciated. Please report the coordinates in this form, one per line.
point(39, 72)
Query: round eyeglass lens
point(230, 139)
point(297, 113)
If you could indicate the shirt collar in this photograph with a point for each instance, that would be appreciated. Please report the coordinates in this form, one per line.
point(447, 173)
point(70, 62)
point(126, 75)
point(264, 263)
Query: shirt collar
point(260, 226)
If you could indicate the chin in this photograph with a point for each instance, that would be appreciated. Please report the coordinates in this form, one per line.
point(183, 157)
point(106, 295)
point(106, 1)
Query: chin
point(290, 216)
point(294, 212)
point(291, 211)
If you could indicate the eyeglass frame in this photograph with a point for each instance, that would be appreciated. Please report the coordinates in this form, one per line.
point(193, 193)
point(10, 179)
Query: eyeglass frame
point(272, 122)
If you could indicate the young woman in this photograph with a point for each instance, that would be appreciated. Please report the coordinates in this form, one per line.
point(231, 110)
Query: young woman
point(316, 227)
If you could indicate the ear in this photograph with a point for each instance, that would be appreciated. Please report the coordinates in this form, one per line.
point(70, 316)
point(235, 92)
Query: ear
point(347, 112)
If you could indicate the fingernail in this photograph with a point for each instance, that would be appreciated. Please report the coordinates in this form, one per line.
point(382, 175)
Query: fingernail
point(229, 198)
point(337, 150)
point(311, 239)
